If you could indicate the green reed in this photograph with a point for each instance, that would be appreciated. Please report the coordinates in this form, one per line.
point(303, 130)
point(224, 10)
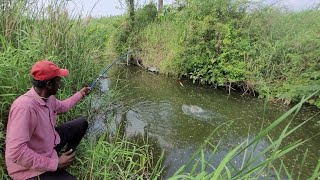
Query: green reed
point(120, 159)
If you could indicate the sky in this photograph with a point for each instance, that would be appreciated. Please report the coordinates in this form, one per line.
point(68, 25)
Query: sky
point(99, 8)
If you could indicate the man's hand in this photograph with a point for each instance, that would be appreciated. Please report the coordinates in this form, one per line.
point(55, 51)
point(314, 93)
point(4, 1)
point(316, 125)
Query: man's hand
point(85, 91)
point(66, 159)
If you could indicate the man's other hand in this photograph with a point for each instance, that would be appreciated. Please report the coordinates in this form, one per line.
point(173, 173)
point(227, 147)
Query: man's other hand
point(66, 159)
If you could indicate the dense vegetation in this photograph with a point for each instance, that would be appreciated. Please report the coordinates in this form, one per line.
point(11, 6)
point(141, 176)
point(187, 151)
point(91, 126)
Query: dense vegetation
point(265, 50)
point(235, 44)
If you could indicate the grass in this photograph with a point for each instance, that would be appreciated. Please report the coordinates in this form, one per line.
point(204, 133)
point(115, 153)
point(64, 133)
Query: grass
point(114, 160)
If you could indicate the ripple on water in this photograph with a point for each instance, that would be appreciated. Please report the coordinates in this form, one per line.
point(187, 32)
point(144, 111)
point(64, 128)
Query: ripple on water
point(200, 113)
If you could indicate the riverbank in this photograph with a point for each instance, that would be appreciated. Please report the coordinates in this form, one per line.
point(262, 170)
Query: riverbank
point(263, 50)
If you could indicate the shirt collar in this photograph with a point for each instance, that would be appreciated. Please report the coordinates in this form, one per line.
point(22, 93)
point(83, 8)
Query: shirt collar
point(36, 96)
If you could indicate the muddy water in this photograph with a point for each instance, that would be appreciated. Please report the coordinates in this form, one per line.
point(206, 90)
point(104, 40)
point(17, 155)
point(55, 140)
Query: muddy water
point(177, 116)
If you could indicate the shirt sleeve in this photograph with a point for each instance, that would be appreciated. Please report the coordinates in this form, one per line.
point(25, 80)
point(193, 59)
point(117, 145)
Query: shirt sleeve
point(66, 105)
point(22, 123)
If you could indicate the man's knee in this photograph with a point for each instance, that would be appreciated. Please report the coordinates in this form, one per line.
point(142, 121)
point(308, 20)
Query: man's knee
point(83, 123)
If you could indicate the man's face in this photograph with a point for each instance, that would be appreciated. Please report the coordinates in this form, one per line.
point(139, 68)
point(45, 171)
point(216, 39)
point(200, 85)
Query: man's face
point(54, 85)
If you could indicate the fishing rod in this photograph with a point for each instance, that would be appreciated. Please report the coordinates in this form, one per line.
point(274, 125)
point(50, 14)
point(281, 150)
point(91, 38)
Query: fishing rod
point(108, 67)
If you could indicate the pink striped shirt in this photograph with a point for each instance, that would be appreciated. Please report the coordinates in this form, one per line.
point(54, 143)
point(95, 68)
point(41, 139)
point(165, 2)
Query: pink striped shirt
point(31, 135)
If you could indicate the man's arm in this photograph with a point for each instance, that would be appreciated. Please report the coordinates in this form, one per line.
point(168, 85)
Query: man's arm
point(22, 123)
point(66, 105)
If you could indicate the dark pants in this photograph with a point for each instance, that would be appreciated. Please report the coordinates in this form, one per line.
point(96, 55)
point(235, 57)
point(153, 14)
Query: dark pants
point(71, 134)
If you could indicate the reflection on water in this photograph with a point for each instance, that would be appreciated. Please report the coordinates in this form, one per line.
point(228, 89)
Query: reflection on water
point(150, 117)
point(179, 118)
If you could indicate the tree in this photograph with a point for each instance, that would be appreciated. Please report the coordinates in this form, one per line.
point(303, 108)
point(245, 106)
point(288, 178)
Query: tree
point(160, 5)
point(130, 5)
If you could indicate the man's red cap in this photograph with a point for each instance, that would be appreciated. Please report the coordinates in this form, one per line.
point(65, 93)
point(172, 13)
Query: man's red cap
point(45, 70)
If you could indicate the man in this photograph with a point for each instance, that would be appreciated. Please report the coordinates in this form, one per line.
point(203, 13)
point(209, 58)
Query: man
point(32, 140)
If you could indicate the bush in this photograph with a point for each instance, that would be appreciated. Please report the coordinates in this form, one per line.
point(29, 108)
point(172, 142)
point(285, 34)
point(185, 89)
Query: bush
point(264, 49)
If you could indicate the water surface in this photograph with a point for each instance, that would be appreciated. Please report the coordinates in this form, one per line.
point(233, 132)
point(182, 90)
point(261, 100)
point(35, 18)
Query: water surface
point(177, 116)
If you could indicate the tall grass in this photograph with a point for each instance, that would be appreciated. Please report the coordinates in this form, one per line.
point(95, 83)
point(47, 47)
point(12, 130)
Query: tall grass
point(286, 52)
point(119, 159)
point(43, 34)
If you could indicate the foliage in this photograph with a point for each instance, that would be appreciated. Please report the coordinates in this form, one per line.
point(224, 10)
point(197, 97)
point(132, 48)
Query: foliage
point(286, 56)
point(213, 52)
point(146, 15)
point(259, 48)
point(126, 37)
point(104, 33)
point(122, 42)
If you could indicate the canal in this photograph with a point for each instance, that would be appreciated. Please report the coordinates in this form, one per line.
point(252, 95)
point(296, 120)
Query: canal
point(176, 117)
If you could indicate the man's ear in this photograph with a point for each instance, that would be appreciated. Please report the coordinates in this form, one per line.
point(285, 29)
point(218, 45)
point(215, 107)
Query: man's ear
point(49, 84)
